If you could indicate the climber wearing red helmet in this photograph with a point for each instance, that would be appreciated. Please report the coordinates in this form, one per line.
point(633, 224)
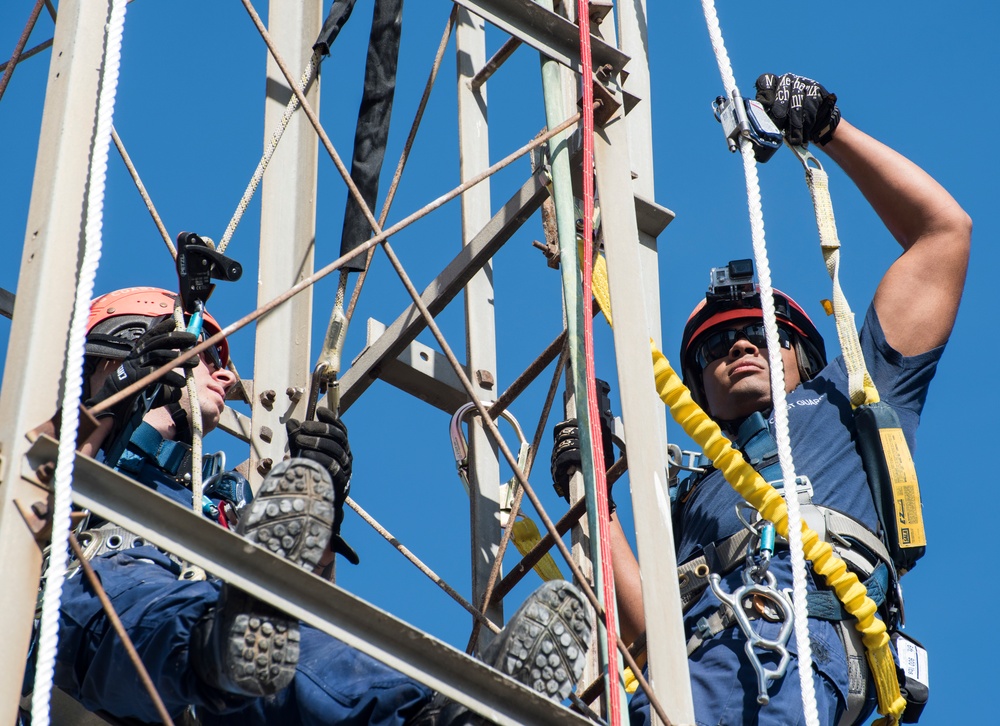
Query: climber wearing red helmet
point(729, 323)
point(725, 364)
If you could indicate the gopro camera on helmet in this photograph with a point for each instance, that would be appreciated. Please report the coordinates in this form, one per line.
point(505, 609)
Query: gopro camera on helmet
point(732, 282)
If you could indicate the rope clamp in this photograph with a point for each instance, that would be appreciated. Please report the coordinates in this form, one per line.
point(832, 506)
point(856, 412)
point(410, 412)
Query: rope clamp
point(197, 265)
point(746, 119)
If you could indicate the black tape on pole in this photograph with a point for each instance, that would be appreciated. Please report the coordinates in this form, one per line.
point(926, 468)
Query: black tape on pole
point(372, 131)
point(340, 13)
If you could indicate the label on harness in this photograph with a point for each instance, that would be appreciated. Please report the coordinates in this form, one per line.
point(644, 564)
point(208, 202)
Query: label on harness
point(913, 661)
point(905, 489)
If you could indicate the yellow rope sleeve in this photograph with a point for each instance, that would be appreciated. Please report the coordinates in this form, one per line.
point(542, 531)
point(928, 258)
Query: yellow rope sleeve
point(766, 500)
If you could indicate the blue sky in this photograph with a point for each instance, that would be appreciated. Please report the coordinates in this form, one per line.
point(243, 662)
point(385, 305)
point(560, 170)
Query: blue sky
point(189, 110)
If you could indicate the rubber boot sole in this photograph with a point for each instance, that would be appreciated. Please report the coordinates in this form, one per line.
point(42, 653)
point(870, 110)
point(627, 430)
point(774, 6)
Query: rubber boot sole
point(292, 516)
point(544, 646)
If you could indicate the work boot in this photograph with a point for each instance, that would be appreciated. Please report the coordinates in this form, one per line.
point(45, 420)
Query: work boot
point(244, 646)
point(544, 646)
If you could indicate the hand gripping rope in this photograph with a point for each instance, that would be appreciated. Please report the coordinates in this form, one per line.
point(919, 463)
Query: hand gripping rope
point(70, 407)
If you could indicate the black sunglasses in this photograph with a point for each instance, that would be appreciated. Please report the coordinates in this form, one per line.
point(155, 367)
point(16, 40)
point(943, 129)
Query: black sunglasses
point(718, 344)
point(211, 355)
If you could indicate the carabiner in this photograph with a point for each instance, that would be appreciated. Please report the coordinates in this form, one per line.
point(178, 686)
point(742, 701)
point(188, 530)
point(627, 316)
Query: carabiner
point(461, 447)
point(766, 592)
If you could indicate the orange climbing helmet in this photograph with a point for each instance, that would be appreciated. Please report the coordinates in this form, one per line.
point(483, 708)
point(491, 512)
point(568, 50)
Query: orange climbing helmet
point(117, 319)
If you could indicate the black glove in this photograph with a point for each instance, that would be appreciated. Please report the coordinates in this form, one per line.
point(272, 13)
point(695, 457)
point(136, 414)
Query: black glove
point(325, 442)
point(159, 345)
point(566, 455)
point(800, 107)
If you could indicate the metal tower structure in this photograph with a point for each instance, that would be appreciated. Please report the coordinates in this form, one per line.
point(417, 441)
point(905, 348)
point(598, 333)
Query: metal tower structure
point(630, 224)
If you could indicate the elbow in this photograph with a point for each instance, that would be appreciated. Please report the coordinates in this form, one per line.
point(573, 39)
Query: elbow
point(961, 233)
point(953, 225)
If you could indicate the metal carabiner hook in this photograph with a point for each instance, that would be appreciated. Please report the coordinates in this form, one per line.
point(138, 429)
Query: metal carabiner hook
point(461, 447)
point(773, 596)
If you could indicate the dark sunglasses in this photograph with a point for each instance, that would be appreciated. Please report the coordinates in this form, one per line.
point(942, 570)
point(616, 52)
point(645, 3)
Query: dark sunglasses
point(718, 344)
point(211, 355)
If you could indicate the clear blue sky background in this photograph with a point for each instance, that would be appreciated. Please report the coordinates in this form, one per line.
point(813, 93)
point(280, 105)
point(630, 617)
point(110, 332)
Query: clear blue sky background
point(914, 74)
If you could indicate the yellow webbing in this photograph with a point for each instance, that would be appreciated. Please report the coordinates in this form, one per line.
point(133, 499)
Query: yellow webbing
point(525, 535)
point(860, 385)
point(766, 500)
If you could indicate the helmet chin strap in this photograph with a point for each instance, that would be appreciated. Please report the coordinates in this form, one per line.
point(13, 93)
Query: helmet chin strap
point(182, 423)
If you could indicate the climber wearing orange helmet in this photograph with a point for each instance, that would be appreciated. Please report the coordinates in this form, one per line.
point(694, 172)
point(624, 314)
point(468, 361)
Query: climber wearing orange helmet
point(209, 646)
point(132, 332)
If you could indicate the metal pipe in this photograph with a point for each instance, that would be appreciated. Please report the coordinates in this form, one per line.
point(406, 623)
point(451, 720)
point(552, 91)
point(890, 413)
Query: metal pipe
point(494, 63)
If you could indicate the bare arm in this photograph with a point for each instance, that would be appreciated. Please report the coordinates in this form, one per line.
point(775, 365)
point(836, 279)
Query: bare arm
point(917, 299)
point(628, 585)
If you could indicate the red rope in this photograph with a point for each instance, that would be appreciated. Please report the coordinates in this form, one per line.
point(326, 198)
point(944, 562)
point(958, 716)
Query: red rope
point(603, 516)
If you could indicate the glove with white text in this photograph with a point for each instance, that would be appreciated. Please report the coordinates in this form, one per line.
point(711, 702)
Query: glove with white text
point(800, 107)
point(159, 345)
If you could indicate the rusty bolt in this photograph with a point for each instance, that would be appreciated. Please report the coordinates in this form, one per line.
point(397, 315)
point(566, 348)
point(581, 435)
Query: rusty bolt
point(264, 466)
point(267, 398)
point(294, 393)
point(46, 472)
point(485, 379)
point(266, 434)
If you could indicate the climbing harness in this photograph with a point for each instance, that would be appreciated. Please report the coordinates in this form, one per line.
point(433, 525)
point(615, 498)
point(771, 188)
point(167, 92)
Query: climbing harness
point(524, 532)
point(861, 549)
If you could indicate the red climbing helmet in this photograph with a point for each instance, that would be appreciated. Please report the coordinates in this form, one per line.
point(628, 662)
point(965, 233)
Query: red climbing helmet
point(117, 319)
point(733, 295)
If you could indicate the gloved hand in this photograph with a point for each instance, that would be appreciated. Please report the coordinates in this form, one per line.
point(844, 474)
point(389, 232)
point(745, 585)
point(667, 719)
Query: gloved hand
point(800, 107)
point(161, 344)
point(566, 456)
point(325, 442)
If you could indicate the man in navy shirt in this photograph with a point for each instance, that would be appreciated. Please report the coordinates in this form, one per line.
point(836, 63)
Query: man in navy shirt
point(726, 367)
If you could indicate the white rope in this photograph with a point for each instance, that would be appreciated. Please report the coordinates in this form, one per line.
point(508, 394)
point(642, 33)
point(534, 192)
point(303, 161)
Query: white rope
point(777, 384)
point(197, 426)
point(63, 496)
point(269, 150)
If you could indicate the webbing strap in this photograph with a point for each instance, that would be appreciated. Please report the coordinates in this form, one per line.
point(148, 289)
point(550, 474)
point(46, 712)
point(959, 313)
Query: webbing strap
point(169, 455)
point(860, 385)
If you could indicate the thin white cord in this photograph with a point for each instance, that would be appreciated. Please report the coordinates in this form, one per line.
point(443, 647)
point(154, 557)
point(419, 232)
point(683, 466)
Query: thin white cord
point(269, 149)
point(63, 496)
point(778, 400)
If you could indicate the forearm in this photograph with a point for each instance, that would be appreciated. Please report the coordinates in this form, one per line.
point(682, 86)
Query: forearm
point(93, 443)
point(917, 299)
point(909, 201)
point(628, 585)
